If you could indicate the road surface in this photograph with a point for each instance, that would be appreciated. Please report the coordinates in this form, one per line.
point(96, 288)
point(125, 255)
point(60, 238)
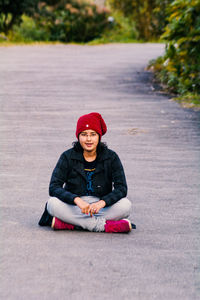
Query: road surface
point(43, 91)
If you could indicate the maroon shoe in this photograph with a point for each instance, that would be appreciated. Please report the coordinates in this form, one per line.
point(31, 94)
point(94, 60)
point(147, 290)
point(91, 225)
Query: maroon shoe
point(123, 225)
point(60, 225)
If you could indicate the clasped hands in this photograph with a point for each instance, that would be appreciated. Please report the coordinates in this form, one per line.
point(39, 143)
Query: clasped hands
point(87, 208)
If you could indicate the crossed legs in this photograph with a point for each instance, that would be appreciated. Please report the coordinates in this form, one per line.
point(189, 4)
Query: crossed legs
point(72, 214)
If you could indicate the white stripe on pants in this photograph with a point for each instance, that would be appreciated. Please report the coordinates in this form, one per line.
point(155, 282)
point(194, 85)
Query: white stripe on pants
point(72, 214)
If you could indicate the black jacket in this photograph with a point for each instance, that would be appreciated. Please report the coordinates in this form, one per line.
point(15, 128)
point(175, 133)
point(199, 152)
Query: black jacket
point(69, 179)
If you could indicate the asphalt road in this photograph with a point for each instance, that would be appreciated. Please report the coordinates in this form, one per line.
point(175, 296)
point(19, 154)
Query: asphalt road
point(43, 90)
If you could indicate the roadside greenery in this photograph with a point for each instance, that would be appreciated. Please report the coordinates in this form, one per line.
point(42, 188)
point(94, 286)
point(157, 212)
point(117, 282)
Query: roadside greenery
point(120, 30)
point(179, 68)
point(73, 20)
point(53, 20)
point(149, 16)
point(82, 21)
point(12, 11)
point(28, 31)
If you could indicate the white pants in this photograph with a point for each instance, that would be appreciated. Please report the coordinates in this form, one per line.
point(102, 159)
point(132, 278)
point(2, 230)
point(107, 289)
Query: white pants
point(72, 214)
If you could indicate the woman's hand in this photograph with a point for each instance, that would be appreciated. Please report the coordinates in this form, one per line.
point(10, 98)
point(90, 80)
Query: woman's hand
point(87, 208)
point(84, 206)
point(96, 206)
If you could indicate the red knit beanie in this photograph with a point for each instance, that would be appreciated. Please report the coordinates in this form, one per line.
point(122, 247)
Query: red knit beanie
point(93, 121)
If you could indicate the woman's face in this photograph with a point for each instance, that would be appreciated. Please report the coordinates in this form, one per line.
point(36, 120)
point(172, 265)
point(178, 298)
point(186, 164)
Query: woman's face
point(89, 140)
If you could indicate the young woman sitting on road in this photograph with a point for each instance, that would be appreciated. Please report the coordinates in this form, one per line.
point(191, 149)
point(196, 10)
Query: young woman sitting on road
point(88, 186)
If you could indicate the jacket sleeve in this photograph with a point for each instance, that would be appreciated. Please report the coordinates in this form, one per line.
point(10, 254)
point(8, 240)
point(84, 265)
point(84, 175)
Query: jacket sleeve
point(119, 182)
point(58, 179)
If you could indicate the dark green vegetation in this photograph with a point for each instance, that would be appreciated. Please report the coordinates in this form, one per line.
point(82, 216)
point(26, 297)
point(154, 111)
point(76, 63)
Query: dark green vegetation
point(179, 68)
point(53, 20)
point(82, 21)
point(12, 11)
point(149, 16)
point(68, 21)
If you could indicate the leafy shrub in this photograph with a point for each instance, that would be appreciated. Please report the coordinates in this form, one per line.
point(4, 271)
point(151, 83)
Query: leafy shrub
point(121, 29)
point(27, 31)
point(12, 11)
point(149, 15)
point(73, 20)
point(180, 66)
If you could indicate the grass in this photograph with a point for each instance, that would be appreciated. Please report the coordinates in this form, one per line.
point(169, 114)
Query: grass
point(189, 100)
point(186, 100)
point(32, 43)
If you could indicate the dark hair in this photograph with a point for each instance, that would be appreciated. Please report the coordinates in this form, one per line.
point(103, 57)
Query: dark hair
point(100, 147)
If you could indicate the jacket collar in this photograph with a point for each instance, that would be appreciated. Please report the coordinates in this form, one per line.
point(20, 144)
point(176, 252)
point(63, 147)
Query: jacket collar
point(79, 156)
point(80, 167)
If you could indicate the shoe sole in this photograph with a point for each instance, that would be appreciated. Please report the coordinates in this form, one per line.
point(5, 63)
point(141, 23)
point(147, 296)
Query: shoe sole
point(53, 223)
point(130, 227)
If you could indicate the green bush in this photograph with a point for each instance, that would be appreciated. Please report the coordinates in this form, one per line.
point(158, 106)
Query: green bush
point(121, 29)
point(27, 31)
point(12, 11)
point(73, 20)
point(149, 15)
point(181, 63)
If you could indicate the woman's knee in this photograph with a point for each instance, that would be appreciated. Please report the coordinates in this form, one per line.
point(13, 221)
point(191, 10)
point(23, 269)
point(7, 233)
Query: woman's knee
point(52, 204)
point(125, 205)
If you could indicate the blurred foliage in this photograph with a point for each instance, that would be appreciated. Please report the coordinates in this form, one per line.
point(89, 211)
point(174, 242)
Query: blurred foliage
point(149, 15)
point(12, 11)
point(120, 29)
point(189, 100)
point(27, 32)
point(74, 20)
point(179, 68)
